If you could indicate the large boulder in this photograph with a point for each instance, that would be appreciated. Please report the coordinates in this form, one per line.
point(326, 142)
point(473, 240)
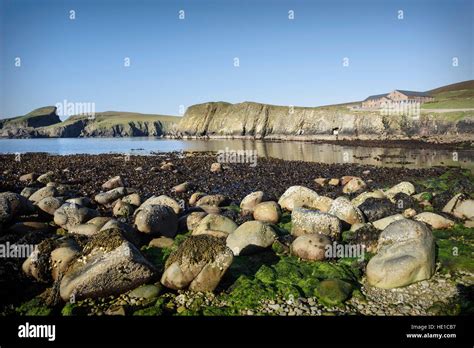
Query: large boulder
point(216, 225)
point(267, 212)
point(453, 203)
point(133, 199)
point(198, 264)
point(406, 254)
point(365, 195)
point(90, 227)
point(190, 221)
point(70, 215)
point(306, 221)
point(248, 204)
point(212, 200)
point(114, 182)
point(376, 209)
point(122, 209)
point(404, 187)
point(354, 185)
point(61, 189)
point(46, 178)
point(195, 197)
point(108, 197)
point(297, 197)
point(310, 246)
point(157, 219)
point(47, 191)
point(434, 220)
point(465, 209)
point(332, 292)
point(12, 205)
point(251, 237)
point(110, 265)
point(162, 200)
point(50, 259)
point(49, 205)
point(345, 211)
point(29, 177)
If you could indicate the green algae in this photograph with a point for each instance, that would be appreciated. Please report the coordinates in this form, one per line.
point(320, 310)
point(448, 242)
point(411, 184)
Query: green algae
point(290, 278)
point(34, 307)
point(455, 248)
point(453, 180)
point(279, 248)
point(157, 309)
point(233, 207)
point(73, 309)
point(157, 256)
point(284, 226)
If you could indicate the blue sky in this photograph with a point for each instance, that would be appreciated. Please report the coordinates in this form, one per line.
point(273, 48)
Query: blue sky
point(184, 62)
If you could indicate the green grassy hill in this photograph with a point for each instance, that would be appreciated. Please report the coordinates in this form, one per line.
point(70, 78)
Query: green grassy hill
point(36, 118)
point(112, 123)
point(112, 118)
point(456, 96)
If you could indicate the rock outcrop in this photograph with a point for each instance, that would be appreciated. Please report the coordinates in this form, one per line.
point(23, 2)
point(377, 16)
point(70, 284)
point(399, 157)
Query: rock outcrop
point(255, 120)
point(45, 123)
point(24, 126)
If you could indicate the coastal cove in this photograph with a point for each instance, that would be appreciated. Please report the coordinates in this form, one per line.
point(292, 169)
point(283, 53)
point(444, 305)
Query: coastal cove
point(393, 156)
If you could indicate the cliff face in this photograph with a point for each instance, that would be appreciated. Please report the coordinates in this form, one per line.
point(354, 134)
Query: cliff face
point(281, 122)
point(24, 126)
point(107, 124)
point(89, 128)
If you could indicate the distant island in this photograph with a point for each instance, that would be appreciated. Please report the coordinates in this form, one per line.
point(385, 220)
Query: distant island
point(446, 116)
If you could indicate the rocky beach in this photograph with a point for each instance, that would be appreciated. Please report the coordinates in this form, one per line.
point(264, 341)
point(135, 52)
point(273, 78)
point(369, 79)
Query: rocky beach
point(183, 234)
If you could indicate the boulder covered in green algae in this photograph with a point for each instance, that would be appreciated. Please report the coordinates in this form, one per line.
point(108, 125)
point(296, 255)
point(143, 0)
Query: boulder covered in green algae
point(333, 291)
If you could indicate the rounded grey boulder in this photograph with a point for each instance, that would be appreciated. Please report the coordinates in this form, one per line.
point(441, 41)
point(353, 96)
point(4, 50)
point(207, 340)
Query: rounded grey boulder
point(12, 205)
point(310, 246)
point(157, 219)
point(250, 237)
point(70, 215)
point(406, 254)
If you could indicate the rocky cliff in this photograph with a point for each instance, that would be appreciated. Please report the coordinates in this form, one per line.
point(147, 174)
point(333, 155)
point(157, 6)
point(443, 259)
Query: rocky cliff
point(256, 120)
point(106, 124)
point(23, 126)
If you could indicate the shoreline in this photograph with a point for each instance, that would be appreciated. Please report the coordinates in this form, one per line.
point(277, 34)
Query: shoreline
point(368, 142)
